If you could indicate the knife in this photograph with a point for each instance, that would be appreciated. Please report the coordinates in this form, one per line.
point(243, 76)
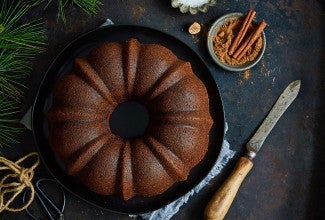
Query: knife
point(220, 203)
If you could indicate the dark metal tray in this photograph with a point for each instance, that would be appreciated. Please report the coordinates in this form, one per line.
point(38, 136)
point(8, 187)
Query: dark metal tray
point(80, 47)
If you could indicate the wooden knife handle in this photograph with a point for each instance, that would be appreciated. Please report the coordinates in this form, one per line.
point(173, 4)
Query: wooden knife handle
point(218, 206)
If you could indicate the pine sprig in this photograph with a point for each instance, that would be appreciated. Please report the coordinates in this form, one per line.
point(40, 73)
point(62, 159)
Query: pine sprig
point(28, 38)
point(13, 62)
point(9, 126)
point(19, 42)
point(13, 67)
point(88, 6)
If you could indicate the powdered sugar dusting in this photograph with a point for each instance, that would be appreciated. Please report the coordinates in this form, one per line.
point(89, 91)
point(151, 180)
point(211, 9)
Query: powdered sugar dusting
point(193, 3)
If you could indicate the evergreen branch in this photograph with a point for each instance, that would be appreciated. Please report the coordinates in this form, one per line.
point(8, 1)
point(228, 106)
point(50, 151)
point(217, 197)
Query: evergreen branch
point(28, 38)
point(11, 13)
point(32, 3)
point(88, 6)
point(10, 88)
point(10, 61)
point(12, 68)
point(18, 44)
point(61, 5)
point(9, 127)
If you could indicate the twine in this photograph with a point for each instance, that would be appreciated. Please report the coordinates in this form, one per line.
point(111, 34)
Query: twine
point(16, 181)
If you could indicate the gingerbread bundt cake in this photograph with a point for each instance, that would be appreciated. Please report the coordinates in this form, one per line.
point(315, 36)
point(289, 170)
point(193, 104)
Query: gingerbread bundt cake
point(175, 140)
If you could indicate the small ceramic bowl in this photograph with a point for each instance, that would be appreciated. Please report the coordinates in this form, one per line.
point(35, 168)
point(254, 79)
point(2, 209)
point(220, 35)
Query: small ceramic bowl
point(212, 33)
point(194, 8)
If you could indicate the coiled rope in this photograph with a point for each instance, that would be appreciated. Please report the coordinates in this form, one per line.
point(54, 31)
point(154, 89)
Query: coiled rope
point(15, 180)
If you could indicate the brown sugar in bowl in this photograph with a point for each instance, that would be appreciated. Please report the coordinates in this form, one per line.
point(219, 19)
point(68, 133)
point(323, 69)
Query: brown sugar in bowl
point(220, 36)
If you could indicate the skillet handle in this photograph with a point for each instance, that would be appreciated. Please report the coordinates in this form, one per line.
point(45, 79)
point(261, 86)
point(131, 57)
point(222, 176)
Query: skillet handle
point(220, 203)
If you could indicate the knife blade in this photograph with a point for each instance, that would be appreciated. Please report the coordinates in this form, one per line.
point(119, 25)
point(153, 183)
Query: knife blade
point(220, 203)
point(283, 102)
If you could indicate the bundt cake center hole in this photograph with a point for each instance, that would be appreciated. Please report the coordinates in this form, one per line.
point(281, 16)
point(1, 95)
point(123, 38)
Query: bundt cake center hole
point(129, 119)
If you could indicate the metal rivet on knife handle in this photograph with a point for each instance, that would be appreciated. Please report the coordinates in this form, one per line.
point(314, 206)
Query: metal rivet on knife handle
point(220, 203)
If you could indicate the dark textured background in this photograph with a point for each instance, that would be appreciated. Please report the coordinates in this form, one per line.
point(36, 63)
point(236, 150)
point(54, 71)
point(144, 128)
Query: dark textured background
point(287, 181)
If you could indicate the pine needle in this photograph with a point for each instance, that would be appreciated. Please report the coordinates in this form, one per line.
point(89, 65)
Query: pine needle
point(88, 6)
point(32, 3)
point(19, 43)
point(11, 61)
point(28, 38)
point(9, 126)
point(13, 67)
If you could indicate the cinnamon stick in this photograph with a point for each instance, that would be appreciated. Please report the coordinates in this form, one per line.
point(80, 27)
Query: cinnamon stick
point(242, 32)
point(250, 40)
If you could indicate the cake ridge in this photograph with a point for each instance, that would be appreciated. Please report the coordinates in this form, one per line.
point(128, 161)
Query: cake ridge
point(92, 78)
point(79, 159)
point(113, 65)
point(160, 85)
point(191, 118)
point(124, 173)
point(151, 176)
point(127, 61)
point(62, 114)
point(163, 92)
point(172, 164)
point(175, 142)
point(103, 174)
point(187, 94)
point(71, 91)
point(153, 61)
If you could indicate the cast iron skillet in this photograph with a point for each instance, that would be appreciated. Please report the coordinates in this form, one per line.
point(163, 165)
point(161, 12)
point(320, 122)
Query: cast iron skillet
point(80, 47)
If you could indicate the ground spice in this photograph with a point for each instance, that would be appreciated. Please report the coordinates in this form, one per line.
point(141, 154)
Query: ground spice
point(225, 36)
point(247, 74)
